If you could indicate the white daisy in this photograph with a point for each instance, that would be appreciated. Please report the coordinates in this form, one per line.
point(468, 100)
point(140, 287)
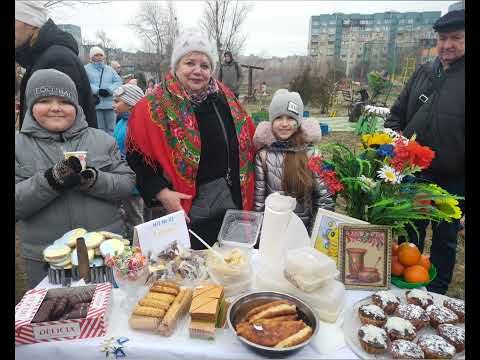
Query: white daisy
point(390, 175)
point(395, 135)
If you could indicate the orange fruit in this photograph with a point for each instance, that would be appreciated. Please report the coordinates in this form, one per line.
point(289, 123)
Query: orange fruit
point(425, 262)
point(395, 249)
point(415, 273)
point(409, 255)
point(397, 268)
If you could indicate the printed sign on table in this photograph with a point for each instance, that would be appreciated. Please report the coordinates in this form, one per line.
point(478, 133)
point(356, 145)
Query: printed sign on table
point(156, 235)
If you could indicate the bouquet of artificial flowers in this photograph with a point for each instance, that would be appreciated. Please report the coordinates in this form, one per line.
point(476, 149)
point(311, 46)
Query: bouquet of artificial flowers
point(379, 185)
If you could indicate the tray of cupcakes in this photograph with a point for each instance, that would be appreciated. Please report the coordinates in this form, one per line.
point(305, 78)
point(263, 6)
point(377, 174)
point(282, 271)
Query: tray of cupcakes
point(412, 324)
point(62, 256)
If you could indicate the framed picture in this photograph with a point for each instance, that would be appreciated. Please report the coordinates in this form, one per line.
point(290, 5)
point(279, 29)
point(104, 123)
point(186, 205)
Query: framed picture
point(325, 231)
point(364, 256)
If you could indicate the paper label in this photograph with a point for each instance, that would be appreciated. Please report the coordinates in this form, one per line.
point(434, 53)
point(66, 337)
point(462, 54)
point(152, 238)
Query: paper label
point(156, 235)
point(25, 310)
point(55, 331)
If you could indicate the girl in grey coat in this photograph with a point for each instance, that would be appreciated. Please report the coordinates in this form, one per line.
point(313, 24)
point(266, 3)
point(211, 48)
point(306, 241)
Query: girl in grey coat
point(285, 144)
point(54, 195)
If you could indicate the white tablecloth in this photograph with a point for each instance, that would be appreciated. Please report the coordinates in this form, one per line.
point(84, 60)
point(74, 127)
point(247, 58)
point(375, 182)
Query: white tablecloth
point(144, 345)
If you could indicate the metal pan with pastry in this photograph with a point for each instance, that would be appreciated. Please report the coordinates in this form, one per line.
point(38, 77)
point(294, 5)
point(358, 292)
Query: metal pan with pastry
point(272, 323)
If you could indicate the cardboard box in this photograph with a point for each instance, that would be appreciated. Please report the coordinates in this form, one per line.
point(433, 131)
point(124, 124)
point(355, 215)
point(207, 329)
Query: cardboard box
point(94, 325)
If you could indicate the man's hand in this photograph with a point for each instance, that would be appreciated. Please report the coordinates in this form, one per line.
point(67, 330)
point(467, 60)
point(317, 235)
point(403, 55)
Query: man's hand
point(171, 201)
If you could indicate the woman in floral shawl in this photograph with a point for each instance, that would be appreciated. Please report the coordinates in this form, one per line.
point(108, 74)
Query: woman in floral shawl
point(177, 138)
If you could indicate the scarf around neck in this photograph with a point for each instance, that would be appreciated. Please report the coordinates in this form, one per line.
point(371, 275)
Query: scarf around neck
point(197, 99)
point(164, 129)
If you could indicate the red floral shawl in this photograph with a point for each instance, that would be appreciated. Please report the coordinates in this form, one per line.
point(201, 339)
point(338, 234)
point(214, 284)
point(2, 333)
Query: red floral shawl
point(164, 129)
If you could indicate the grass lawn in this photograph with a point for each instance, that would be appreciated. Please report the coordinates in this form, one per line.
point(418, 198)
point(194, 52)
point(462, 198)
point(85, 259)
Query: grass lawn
point(456, 289)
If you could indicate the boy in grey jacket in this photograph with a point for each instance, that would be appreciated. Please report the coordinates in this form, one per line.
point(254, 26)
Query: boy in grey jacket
point(52, 194)
point(285, 144)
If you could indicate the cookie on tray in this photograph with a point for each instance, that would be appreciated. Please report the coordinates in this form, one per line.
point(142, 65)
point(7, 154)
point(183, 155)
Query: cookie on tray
point(398, 328)
point(386, 300)
point(441, 315)
point(457, 306)
point(372, 314)
point(404, 349)
point(454, 335)
point(374, 340)
point(435, 347)
point(419, 298)
point(413, 313)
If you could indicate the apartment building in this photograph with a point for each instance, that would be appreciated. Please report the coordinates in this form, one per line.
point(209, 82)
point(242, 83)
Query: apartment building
point(376, 39)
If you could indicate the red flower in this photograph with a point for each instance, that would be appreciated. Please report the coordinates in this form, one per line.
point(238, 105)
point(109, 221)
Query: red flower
point(315, 164)
point(330, 178)
point(411, 154)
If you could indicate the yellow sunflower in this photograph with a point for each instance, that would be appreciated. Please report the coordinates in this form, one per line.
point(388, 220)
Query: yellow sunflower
point(370, 140)
point(449, 208)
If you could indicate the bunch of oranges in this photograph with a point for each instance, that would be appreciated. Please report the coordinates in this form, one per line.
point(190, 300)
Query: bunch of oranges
point(408, 262)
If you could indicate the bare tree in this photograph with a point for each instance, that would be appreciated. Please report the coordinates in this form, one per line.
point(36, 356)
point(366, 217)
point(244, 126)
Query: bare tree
point(105, 42)
point(157, 25)
point(56, 3)
point(222, 20)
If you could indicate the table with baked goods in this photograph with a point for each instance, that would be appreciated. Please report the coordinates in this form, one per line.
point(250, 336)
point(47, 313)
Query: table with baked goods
point(147, 345)
point(332, 312)
point(328, 344)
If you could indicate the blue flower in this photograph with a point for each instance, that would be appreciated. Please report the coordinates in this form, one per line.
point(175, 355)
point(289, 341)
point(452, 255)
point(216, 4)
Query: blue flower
point(327, 167)
point(385, 150)
point(409, 179)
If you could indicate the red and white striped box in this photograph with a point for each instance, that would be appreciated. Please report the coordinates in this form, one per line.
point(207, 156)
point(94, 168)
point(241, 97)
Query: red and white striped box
point(95, 324)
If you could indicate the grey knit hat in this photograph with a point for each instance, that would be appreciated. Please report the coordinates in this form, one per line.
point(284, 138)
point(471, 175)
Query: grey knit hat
point(287, 103)
point(50, 82)
point(193, 40)
point(130, 94)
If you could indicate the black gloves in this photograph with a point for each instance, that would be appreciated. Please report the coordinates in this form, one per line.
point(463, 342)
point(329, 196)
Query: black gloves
point(103, 92)
point(89, 177)
point(68, 173)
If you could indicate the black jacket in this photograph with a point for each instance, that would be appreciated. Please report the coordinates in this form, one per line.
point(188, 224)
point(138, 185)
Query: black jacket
point(440, 122)
point(56, 49)
point(213, 164)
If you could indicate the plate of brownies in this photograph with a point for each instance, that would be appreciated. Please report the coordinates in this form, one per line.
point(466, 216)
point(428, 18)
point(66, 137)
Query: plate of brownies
point(412, 324)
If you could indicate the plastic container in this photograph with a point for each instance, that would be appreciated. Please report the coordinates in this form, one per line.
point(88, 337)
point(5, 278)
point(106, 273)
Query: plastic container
point(236, 269)
point(328, 301)
point(308, 269)
point(233, 289)
point(240, 228)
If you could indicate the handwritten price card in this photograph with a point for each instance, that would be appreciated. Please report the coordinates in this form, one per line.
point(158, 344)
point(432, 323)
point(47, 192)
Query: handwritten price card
point(156, 235)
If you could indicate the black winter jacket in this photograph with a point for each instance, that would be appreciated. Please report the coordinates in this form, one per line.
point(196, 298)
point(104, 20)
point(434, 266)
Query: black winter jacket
point(56, 49)
point(213, 159)
point(440, 122)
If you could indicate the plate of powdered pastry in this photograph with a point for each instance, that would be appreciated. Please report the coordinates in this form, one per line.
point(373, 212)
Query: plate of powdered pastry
point(412, 324)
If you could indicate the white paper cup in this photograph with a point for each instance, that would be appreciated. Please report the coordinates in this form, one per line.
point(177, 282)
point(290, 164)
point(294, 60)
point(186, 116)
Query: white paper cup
point(80, 155)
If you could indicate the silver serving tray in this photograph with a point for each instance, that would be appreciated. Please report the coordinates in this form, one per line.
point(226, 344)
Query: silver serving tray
point(244, 303)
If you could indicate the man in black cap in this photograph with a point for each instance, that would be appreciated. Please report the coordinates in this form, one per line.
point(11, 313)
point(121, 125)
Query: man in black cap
point(432, 106)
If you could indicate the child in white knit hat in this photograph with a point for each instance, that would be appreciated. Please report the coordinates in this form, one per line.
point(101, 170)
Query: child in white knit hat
point(284, 145)
point(125, 98)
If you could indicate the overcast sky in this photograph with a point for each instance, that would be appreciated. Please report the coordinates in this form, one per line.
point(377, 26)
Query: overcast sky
point(273, 28)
